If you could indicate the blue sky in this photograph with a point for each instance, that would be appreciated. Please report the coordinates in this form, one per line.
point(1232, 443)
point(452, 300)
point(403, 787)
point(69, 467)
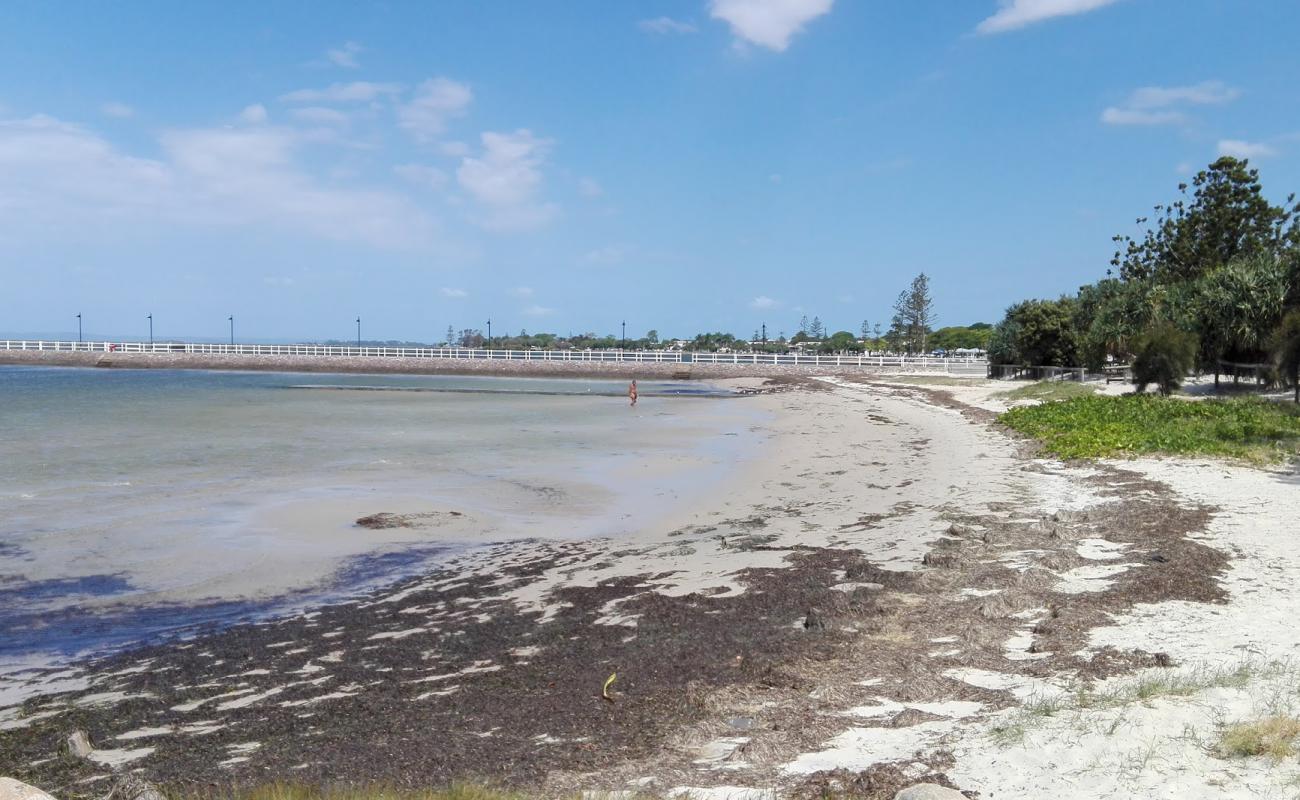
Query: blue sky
point(681, 164)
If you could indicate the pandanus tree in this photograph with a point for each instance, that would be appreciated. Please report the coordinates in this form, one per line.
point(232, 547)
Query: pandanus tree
point(1286, 349)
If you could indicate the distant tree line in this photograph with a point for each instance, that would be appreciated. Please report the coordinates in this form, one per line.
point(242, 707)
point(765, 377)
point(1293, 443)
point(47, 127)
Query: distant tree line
point(1214, 279)
point(911, 331)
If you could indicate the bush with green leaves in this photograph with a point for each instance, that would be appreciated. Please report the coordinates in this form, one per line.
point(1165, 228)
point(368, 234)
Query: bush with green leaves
point(1163, 356)
point(1286, 349)
point(1097, 426)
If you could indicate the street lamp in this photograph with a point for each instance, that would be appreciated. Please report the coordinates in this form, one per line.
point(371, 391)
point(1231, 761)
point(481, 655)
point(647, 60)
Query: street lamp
point(624, 346)
point(78, 327)
point(150, 318)
point(358, 333)
point(232, 330)
point(489, 341)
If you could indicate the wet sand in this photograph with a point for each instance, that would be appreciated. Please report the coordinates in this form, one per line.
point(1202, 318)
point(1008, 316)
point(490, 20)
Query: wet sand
point(888, 585)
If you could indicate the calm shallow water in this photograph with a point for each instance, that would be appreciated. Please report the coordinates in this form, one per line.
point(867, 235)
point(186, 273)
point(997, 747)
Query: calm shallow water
point(137, 503)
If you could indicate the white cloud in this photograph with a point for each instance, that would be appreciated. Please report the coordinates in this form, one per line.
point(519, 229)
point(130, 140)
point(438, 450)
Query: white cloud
point(60, 175)
point(763, 303)
point(604, 255)
point(1132, 116)
point(1238, 148)
point(254, 114)
point(354, 92)
point(345, 56)
point(1159, 105)
point(589, 187)
point(319, 115)
point(453, 149)
point(775, 177)
point(1204, 93)
point(1016, 14)
point(665, 25)
point(119, 110)
point(422, 175)
point(768, 23)
point(447, 292)
point(539, 311)
point(506, 181)
point(522, 291)
point(431, 105)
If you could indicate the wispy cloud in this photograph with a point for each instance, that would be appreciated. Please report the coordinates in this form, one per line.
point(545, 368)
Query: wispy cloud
point(589, 187)
point(433, 103)
point(1239, 148)
point(118, 110)
point(605, 255)
point(345, 56)
point(522, 291)
point(768, 23)
point(353, 92)
point(449, 292)
point(254, 114)
point(506, 180)
point(763, 303)
point(1016, 14)
point(1163, 105)
point(539, 311)
point(56, 173)
point(422, 175)
point(666, 25)
point(320, 115)
point(1115, 115)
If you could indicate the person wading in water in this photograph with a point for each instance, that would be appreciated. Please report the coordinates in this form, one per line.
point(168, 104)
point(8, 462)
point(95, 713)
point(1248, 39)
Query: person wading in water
point(631, 391)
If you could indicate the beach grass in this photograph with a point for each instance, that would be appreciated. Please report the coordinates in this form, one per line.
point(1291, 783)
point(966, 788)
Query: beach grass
point(1049, 390)
point(1251, 429)
point(1272, 737)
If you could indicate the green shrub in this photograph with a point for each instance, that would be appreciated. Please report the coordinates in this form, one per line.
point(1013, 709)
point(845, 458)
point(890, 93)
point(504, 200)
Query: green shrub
point(1100, 426)
point(1163, 356)
point(1286, 349)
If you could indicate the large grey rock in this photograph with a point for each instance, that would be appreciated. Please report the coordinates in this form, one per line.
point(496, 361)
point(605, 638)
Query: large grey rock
point(79, 744)
point(11, 789)
point(929, 791)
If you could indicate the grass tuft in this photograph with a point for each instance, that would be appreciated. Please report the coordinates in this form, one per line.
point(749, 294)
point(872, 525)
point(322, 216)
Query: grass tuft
point(1272, 737)
point(1251, 429)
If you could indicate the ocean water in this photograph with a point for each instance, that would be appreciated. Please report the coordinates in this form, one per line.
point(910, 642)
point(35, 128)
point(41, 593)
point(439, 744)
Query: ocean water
point(138, 504)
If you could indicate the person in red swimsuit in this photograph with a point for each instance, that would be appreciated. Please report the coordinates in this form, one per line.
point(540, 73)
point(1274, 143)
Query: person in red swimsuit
point(631, 391)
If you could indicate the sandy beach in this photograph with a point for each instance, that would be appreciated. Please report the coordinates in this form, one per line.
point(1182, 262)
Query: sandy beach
point(892, 590)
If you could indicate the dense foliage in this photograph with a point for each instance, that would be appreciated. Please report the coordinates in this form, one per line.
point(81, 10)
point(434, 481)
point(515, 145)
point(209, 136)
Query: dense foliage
point(1100, 426)
point(1163, 356)
point(1221, 264)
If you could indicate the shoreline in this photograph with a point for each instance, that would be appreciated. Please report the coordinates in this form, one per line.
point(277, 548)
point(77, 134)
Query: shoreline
point(420, 366)
point(863, 614)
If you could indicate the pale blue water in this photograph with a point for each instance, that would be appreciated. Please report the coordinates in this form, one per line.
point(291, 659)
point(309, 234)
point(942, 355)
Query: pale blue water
point(138, 503)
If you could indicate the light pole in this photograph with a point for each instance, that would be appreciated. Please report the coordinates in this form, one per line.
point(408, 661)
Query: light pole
point(78, 327)
point(232, 330)
point(624, 345)
point(150, 318)
point(358, 333)
point(489, 341)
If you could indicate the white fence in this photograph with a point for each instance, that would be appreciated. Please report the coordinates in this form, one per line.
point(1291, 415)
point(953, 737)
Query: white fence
point(969, 366)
